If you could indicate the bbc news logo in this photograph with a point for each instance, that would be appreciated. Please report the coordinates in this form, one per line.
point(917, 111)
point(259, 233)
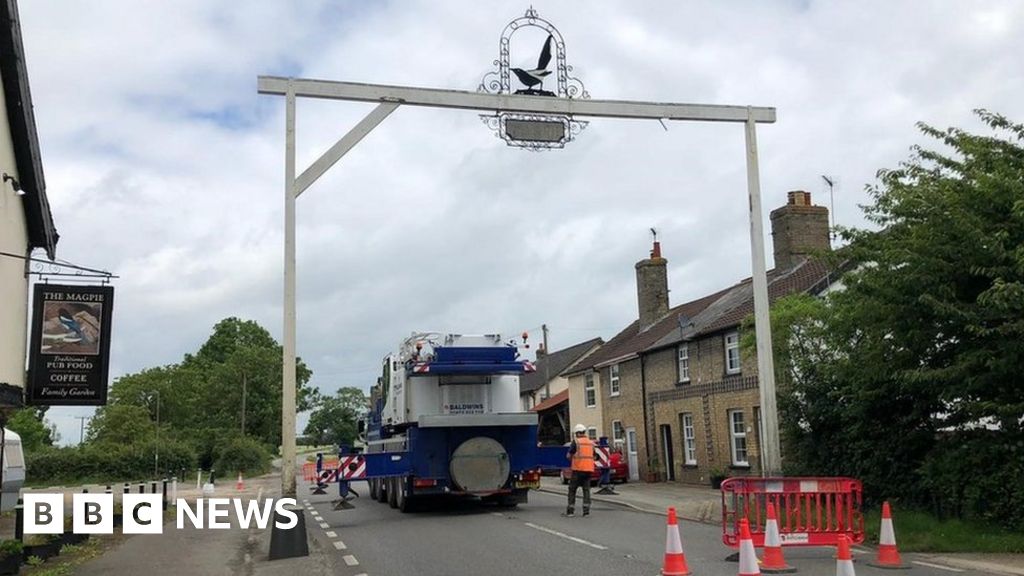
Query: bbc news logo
point(143, 513)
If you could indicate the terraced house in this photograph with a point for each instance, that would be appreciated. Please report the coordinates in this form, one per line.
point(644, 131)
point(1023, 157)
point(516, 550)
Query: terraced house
point(674, 388)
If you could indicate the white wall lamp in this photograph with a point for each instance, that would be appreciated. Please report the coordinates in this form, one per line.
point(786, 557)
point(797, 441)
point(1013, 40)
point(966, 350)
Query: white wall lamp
point(14, 184)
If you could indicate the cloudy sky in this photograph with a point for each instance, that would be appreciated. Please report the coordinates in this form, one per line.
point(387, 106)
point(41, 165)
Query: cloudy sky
point(164, 166)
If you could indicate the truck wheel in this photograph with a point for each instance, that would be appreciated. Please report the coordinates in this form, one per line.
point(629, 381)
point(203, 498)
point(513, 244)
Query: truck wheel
point(392, 492)
point(374, 489)
point(403, 493)
point(382, 490)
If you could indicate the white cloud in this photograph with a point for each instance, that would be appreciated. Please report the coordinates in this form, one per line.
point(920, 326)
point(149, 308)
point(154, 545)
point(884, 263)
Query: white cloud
point(165, 166)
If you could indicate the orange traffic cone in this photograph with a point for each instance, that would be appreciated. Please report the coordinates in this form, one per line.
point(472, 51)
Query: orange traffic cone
point(844, 560)
point(888, 555)
point(239, 485)
point(675, 560)
point(773, 562)
point(748, 557)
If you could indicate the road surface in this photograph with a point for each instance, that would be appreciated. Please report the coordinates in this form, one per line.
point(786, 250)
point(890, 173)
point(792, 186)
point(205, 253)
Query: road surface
point(473, 539)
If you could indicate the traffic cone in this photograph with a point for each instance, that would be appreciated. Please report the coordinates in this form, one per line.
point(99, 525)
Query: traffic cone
point(239, 485)
point(844, 560)
point(773, 562)
point(748, 557)
point(888, 555)
point(675, 560)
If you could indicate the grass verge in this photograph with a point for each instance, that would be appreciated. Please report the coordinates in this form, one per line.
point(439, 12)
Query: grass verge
point(918, 531)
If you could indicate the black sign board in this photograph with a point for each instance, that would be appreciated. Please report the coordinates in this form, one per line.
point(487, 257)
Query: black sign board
point(70, 347)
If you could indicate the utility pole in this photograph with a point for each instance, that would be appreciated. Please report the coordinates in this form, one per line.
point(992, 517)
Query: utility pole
point(156, 453)
point(81, 427)
point(244, 384)
point(547, 382)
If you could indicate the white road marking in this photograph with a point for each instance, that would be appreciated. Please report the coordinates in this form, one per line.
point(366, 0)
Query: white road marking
point(331, 534)
point(856, 550)
point(566, 536)
point(350, 560)
point(340, 545)
point(498, 514)
point(939, 566)
point(325, 525)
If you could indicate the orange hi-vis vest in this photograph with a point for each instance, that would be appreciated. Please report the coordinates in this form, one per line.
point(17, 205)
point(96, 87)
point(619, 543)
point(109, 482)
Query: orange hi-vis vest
point(583, 459)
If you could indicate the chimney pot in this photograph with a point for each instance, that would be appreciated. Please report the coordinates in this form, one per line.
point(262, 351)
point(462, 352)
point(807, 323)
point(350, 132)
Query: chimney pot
point(799, 198)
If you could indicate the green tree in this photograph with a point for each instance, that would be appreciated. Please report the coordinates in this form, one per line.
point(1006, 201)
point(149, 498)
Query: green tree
point(122, 424)
point(34, 431)
point(333, 420)
point(915, 365)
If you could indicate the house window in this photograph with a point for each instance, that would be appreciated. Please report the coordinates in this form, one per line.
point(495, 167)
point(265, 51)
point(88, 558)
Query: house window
point(738, 436)
point(732, 353)
point(689, 439)
point(618, 432)
point(589, 392)
point(684, 363)
point(592, 433)
point(613, 382)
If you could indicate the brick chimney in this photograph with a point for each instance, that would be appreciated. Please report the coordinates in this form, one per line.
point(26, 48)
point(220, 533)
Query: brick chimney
point(798, 230)
point(652, 288)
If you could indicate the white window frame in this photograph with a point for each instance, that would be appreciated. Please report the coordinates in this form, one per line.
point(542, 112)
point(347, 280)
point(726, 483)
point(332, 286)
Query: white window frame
point(592, 433)
point(618, 432)
point(736, 436)
point(683, 357)
point(613, 381)
point(730, 346)
point(589, 391)
point(689, 440)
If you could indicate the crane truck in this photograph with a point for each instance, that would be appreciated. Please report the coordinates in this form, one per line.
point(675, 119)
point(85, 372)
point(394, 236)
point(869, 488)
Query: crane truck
point(445, 419)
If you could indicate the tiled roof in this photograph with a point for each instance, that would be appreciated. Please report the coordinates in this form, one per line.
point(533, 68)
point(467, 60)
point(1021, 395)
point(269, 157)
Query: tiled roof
point(554, 364)
point(719, 311)
point(631, 341)
point(555, 400)
point(728, 311)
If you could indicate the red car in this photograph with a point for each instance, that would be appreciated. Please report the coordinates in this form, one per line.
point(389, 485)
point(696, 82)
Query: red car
point(619, 466)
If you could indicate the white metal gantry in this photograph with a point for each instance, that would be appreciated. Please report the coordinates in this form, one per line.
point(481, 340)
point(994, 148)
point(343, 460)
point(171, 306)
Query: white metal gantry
point(389, 98)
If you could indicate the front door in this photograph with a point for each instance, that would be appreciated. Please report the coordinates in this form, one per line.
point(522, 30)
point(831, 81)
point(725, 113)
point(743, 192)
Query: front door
point(666, 449)
point(634, 464)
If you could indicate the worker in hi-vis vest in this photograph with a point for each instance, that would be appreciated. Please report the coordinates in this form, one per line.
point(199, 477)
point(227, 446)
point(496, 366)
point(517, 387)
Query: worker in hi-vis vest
point(581, 454)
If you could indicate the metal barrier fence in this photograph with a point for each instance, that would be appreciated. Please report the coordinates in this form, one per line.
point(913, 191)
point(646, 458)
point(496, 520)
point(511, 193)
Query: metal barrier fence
point(309, 468)
point(811, 511)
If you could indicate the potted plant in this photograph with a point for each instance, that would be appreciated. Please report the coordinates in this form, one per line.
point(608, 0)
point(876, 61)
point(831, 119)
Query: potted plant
point(653, 471)
point(42, 546)
point(69, 536)
point(717, 477)
point(10, 557)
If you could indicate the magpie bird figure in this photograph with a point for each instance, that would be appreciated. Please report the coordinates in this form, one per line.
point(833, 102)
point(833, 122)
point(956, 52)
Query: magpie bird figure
point(535, 77)
point(71, 324)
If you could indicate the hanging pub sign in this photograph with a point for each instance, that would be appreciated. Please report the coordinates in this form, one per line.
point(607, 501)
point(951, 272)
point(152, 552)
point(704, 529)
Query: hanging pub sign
point(70, 347)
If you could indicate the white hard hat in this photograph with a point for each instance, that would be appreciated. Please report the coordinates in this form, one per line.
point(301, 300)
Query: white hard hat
point(580, 429)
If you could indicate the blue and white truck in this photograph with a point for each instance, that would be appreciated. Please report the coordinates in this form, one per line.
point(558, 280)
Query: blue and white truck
point(445, 419)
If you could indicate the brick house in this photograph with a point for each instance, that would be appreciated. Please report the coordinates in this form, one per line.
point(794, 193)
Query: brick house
point(677, 392)
point(545, 390)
